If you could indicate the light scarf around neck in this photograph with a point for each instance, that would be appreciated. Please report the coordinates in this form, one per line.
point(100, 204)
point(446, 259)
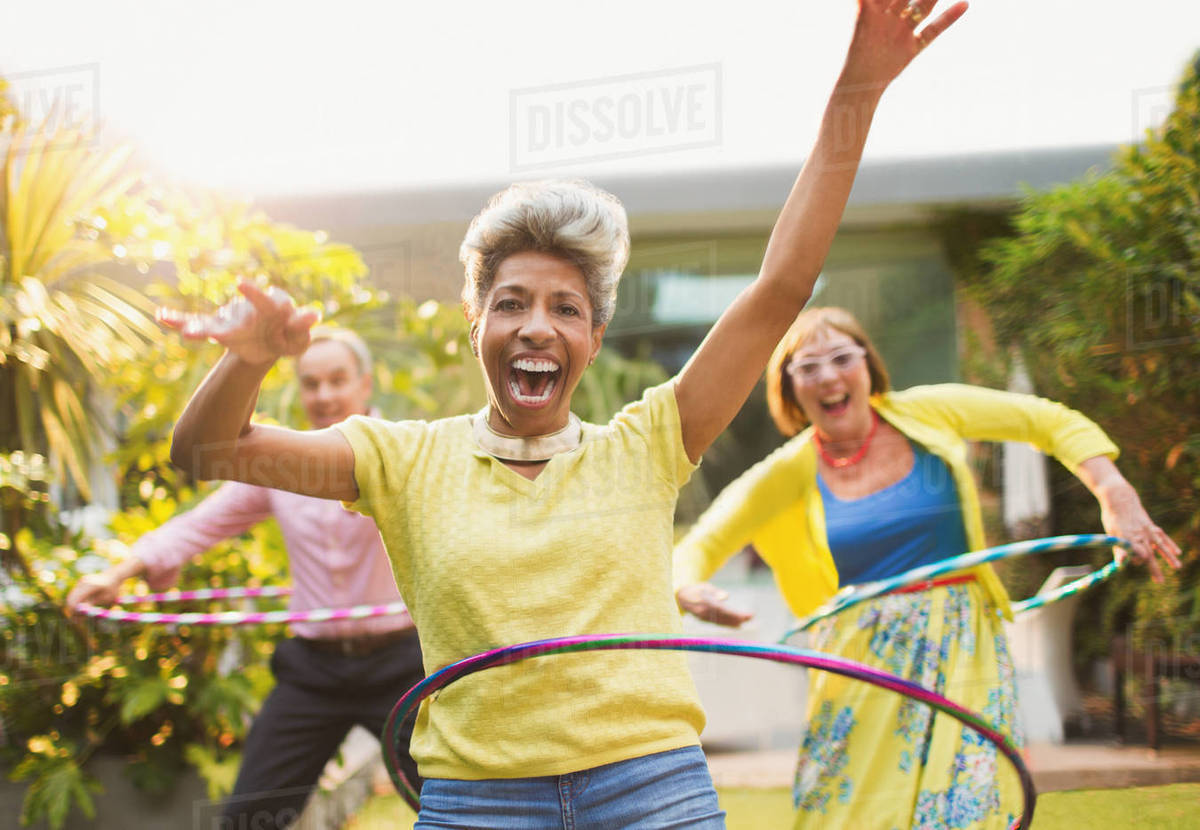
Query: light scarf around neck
point(525, 448)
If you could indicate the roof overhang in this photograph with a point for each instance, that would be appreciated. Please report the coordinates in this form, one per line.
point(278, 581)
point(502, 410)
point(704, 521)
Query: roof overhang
point(900, 191)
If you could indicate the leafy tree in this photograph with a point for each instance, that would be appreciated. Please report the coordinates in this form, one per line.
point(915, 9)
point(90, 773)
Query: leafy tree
point(64, 325)
point(1097, 283)
point(162, 698)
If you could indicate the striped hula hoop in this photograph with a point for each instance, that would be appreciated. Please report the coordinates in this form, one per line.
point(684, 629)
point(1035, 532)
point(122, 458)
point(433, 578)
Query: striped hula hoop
point(854, 594)
point(119, 614)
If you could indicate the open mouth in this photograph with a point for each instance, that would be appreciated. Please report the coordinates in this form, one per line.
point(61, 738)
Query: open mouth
point(836, 405)
point(532, 381)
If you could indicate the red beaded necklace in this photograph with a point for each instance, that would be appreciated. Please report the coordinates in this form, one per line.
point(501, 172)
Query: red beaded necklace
point(852, 459)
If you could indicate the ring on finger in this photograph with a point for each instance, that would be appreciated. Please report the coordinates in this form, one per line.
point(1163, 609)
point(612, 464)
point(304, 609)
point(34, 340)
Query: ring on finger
point(912, 14)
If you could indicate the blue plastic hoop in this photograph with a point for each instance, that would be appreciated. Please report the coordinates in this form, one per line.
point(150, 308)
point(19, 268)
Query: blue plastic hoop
point(854, 594)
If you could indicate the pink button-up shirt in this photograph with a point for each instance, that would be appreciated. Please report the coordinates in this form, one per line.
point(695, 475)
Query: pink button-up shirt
point(336, 557)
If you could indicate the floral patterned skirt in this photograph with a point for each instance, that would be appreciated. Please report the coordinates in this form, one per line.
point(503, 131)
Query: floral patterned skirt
point(871, 758)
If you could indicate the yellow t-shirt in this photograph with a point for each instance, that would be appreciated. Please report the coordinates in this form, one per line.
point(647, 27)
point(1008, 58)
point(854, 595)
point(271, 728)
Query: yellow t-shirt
point(485, 557)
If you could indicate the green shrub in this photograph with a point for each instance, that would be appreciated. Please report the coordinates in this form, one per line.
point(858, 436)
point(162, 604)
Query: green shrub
point(1097, 284)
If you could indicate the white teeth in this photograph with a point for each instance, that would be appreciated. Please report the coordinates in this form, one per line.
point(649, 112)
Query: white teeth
point(529, 364)
point(532, 399)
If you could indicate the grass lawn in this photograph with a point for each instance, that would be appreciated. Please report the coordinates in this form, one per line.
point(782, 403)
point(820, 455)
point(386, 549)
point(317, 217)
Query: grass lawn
point(1174, 807)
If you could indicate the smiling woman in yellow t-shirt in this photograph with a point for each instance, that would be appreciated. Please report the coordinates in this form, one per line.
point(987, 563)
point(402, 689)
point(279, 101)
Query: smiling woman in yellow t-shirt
point(519, 522)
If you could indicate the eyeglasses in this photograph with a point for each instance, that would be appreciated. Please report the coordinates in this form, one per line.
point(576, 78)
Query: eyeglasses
point(808, 369)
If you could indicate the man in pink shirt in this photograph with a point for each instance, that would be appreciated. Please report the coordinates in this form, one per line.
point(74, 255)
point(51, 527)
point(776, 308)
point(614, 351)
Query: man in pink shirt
point(329, 675)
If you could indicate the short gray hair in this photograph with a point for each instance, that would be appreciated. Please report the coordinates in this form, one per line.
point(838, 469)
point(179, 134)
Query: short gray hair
point(572, 219)
point(349, 339)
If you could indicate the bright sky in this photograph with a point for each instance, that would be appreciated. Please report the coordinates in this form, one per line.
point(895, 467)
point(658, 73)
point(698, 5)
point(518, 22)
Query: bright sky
point(284, 97)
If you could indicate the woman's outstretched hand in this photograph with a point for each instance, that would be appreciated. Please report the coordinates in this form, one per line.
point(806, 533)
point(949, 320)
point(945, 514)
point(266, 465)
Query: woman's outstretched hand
point(260, 327)
point(1122, 514)
point(707, 602)
point(889, 34)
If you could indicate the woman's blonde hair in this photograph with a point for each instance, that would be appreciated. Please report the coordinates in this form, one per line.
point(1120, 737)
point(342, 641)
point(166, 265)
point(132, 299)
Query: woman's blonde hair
point(574, 220)
point(810, 323)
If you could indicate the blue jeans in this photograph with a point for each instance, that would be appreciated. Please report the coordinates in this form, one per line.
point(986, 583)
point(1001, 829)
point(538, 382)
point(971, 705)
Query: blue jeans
point(670, 789)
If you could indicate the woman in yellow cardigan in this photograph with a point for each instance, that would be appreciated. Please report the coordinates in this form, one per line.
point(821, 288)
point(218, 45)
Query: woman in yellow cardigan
point(876, 485)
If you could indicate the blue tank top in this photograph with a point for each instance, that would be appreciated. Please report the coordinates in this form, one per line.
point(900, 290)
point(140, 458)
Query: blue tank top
point(916, 521)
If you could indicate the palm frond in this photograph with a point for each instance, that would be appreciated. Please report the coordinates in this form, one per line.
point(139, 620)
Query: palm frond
point(49, 184)
point(64, 452)
point(26, 411)
point(65, 326)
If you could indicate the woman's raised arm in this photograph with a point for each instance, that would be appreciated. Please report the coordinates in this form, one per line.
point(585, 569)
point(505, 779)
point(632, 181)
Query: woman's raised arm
point(716, 381)
point(214, 438)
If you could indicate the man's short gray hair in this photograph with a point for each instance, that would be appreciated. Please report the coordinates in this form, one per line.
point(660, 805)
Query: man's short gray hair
point(574, 220)
point(349, 339)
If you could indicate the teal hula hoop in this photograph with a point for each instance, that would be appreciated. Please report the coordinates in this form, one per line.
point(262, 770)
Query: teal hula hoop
point(854, 594)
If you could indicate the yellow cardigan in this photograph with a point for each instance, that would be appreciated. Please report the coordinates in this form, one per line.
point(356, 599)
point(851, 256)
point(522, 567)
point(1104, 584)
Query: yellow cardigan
point(776, 504)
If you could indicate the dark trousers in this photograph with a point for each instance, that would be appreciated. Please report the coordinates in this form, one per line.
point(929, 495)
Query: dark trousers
point(318, 696)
